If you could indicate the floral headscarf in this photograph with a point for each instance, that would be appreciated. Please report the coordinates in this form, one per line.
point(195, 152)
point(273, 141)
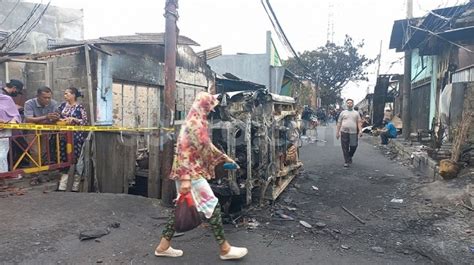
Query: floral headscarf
point(196, 156)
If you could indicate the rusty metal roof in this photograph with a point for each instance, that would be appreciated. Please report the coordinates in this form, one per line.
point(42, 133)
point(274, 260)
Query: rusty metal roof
point(138, 38)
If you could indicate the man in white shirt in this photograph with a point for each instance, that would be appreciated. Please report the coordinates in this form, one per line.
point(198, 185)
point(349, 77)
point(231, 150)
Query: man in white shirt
point(349, 129)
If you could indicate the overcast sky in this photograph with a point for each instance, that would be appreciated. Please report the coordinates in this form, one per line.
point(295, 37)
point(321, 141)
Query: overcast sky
point(240, 25)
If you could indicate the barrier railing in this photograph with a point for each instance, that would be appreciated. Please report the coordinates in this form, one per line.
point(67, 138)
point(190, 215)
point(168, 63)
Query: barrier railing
point(38, 151)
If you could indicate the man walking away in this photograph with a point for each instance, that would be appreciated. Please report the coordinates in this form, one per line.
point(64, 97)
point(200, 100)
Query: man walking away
point(348, 129)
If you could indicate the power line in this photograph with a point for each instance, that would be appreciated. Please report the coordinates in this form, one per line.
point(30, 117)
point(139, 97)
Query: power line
point(440, 25)
point(14, 39)
point(11, 11)
point(279, 29)
point(443, 38)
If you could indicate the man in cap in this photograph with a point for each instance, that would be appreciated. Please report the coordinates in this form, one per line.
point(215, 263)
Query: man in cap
point(13, 88)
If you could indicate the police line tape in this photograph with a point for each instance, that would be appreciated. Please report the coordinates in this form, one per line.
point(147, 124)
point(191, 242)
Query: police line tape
point(52, 127)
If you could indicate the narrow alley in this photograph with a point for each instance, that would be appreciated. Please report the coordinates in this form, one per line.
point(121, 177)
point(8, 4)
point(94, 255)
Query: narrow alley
point(44, 228)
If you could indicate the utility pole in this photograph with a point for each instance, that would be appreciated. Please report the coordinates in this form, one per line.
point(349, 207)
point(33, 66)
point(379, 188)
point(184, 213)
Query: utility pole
point(378, 60)
point(168, 108)
point(406, 117)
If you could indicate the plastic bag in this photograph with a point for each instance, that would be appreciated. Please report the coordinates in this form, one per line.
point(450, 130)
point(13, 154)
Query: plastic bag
point(186, 214)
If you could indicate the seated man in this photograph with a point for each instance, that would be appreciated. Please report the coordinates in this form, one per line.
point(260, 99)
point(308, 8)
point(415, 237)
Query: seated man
point(389, 131)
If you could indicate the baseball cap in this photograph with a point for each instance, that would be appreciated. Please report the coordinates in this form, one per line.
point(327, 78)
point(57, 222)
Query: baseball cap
point(16, 83)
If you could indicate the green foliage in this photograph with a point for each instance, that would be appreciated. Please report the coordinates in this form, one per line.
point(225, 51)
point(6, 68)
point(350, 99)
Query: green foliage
point(331, 67)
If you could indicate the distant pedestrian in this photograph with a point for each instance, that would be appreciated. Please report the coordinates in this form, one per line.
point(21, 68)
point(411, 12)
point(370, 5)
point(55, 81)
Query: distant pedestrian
point(349, 129)
point(194, 163)
point(306, 118)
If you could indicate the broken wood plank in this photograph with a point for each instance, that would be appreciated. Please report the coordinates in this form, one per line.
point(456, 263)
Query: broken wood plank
point(353, 215)
point(154, 180)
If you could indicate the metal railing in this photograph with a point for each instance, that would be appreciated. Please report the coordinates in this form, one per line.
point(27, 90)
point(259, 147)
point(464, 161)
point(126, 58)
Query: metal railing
point(39, 151)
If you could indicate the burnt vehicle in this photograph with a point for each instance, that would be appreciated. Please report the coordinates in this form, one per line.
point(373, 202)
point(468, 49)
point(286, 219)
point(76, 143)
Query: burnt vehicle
point(260, 131)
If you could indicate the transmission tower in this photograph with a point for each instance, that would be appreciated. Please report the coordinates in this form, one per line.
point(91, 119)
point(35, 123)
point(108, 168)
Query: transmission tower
point(330, 31)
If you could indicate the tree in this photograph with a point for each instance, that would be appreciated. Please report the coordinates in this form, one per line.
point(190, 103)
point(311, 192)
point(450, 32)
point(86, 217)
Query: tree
point(331, 67)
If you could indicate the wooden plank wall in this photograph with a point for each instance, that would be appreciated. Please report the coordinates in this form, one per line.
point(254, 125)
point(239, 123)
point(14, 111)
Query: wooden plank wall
point(116, 156)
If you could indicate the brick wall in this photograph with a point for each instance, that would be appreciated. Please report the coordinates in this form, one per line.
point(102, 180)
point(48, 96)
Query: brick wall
point(66, 70)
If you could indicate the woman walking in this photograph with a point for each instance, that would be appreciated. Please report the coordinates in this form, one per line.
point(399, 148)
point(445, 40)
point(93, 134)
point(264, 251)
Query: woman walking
point(194, 163)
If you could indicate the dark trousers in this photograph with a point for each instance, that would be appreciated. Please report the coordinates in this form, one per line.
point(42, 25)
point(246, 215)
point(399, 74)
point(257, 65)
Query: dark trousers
point(349, 142)
point(384, 136)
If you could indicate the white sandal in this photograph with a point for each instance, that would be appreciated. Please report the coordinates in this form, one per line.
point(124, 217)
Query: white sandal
point(170, 252)
point(235, 253)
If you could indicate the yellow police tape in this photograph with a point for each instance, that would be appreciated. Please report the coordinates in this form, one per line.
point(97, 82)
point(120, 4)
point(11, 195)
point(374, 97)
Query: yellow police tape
point(45, 127)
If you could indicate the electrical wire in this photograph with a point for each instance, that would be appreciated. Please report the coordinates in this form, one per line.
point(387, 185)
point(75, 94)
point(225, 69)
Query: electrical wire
point(440, 25)
point(443, 38)
point(18, 36)
point(280, 31)
point(9, 13)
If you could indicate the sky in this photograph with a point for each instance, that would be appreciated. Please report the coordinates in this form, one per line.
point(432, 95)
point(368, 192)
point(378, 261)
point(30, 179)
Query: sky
point(240, 25)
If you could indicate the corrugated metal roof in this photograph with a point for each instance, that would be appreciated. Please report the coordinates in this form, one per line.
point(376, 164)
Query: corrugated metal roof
point(138, 38)
point(211, 53)
point(466, 75)
point(438, 21)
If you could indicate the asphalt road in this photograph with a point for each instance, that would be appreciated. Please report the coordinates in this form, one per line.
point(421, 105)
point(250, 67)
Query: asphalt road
point(43, 228)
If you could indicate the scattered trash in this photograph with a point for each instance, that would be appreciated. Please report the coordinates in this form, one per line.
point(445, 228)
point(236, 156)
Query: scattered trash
point(336, 231)
point(320, 225)
point(305, 224)
point(114, 225)
point(472, 249)
point(376, 170)
point(353, 215)
point(92, 234)
point(315, 188)
point(298, 186)
point(389, 175)
point(377, 249)
point(99, 261)
point(465, 206)
point(11, 191)
point(396, 200)
point(284, 216)
point(291, 208)
point(345, 247)
point(287, 200)
point(252, 223)
point(331, 233)
point(178, 234)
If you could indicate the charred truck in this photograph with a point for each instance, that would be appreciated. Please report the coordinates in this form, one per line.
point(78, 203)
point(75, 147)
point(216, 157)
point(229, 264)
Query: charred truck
point(260, 131)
